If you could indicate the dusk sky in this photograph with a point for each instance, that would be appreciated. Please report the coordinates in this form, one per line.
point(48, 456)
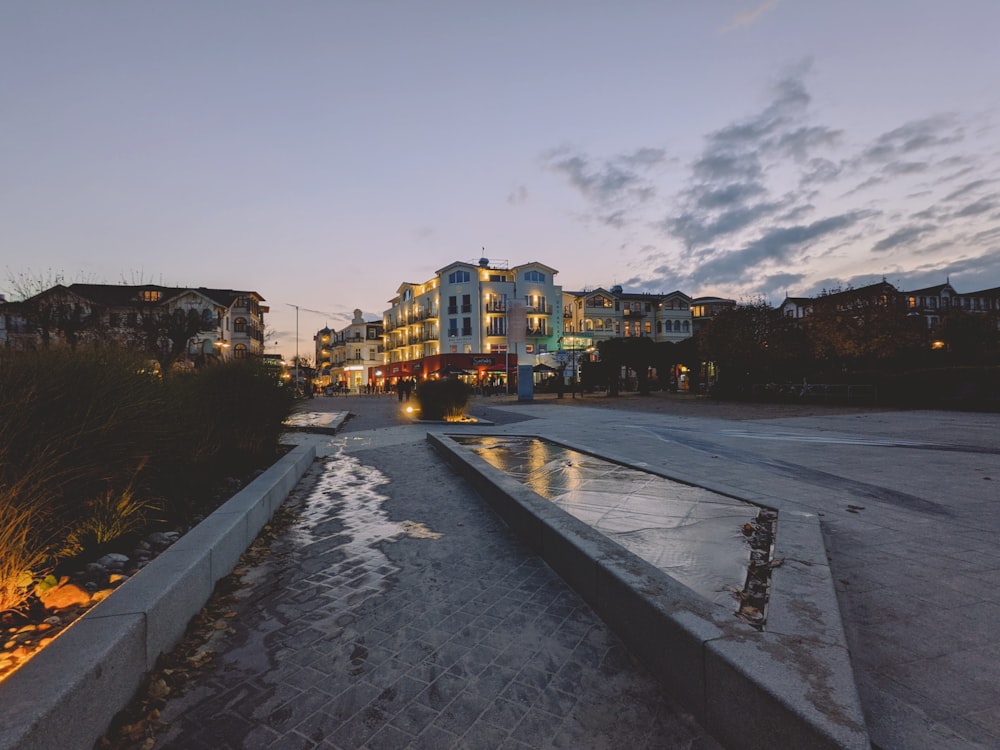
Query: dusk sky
point(321, 152)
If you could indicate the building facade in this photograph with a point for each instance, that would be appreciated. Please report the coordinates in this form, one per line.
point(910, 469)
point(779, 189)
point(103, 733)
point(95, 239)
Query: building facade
point(184, 323)
point(473, 320)
point(351, 359)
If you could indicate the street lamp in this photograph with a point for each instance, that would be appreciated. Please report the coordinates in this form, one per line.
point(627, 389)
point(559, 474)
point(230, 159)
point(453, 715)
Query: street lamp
point(296, 345)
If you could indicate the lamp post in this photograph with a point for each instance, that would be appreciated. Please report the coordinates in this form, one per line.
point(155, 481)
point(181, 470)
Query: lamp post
point(296, 345)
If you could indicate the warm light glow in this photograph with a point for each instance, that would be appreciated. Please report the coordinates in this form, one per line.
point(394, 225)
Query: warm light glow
point(937, 344)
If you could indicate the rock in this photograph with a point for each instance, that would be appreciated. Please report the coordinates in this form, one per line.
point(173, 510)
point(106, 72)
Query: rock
point(113, 560)
point(95, 569)
point(64, 595)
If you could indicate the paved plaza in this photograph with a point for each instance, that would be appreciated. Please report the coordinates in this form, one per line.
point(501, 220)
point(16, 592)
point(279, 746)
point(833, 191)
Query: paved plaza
point(398, 610)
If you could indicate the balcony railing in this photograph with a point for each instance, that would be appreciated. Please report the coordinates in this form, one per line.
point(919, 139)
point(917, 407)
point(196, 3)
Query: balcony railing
point(536, 332)
point(540, 309)
point(496, 307)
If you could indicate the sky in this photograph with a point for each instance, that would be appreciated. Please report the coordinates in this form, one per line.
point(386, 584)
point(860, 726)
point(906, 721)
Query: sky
point(322, 152)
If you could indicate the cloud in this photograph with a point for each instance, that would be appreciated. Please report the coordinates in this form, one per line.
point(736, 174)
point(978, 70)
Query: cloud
point(778, 244)
point(981, 206)
point(615, 188)
point(918, 135)
point(968, 188)
point(748, 17)
point(518, 196)
point(904, 236)
point(613, 181)
point(776, 198)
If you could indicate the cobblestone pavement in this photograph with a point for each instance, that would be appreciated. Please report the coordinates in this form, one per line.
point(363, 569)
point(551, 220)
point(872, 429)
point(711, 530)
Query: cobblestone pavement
point(398, 611)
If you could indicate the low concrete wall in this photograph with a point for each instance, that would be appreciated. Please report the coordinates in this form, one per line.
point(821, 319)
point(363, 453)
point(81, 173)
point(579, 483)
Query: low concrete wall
point(67, 694)
point(789, 686)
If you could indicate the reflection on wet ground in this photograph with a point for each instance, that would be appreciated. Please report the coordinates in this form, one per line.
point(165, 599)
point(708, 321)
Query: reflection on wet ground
point(694, 535)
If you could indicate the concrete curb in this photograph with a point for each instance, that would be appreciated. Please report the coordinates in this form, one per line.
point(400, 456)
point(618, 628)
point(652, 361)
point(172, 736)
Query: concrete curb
point(66, 695)
point(789, 686)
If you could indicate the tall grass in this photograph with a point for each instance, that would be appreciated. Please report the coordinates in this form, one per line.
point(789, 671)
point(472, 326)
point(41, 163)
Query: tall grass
point(93, 448)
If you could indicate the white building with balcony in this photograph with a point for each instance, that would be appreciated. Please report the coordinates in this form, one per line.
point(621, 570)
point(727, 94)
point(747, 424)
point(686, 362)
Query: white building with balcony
point(473, 319)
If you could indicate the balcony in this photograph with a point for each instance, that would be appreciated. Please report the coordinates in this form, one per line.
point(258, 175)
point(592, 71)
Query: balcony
point(541, 308)
point(496, 307)
point(537, 333)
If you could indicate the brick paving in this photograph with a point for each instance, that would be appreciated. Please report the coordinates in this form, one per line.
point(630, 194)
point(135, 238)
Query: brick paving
point(397, 611)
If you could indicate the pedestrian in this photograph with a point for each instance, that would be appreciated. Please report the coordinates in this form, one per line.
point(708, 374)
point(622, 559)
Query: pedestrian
point(399, 389)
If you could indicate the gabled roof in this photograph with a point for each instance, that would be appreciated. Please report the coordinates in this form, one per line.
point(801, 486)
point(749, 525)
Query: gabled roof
point(125, 295)
point(933, 291)
point(991, 292)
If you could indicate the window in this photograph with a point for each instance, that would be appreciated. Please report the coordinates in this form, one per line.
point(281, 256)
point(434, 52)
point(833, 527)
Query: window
point(599, 324)
point(497, 277)
point(607, 324)
point(240, 325)
point(371, 353)
point(458, 277)
point(452, 327)
point(466, 303)
point(677, 326)
point(452, 305)
point(240, 351)
point(151, 296)
point(649, 327)
point(687, 326)
point(536, 276)
point(466, 326)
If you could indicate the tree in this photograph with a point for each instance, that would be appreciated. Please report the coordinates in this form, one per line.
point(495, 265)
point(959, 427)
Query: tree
point(165, 333)
point(968, 338)
point(740, 341)
point(866, 331)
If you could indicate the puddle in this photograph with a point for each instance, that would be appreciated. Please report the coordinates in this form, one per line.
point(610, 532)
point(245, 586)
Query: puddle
point(345, 507)
point(694, 535)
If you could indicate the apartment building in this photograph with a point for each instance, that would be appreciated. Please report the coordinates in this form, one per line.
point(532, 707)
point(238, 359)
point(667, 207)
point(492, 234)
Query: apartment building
point(352, 357)
point(601, 314)
point(474, 320)
point(181, 323)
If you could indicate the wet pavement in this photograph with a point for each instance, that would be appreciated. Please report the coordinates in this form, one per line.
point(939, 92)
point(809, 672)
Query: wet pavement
point(364, 630)
point(693, 535)
point(398, 611)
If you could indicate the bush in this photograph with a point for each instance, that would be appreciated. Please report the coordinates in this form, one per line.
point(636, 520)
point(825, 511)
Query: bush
point(93, 449)
point(443, 399)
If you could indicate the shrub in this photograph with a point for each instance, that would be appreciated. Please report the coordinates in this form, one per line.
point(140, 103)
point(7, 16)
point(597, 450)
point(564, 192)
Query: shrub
point(92, 445)
point(443, 399)
point(225, 420)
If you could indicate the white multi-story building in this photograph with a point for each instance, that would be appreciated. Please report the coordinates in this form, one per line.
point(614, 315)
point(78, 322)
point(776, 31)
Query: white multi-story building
point(357, 354)
point(603, 314)
point(473, 319)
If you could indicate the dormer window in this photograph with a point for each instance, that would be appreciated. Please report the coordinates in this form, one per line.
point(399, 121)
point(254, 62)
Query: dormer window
point(151, 295)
